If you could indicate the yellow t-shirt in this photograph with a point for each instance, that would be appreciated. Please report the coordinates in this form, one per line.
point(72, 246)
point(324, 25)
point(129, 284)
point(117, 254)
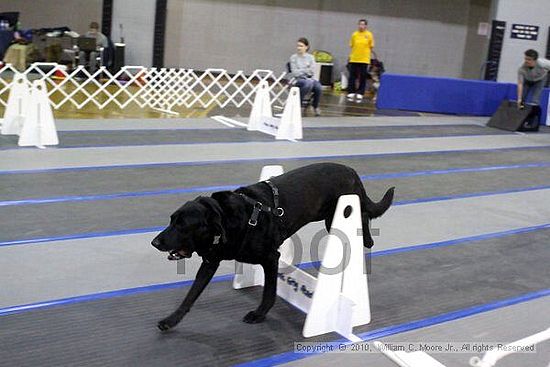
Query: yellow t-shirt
point(361, 44)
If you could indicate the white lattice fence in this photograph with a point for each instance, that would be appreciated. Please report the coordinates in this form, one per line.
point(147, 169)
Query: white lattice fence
point(163, 89)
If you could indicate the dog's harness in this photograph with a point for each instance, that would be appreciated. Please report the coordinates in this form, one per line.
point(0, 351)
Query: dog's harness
point(277, 211)
point(260, 207)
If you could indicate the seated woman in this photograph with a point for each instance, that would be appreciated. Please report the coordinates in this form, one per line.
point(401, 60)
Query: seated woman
point(302, 65)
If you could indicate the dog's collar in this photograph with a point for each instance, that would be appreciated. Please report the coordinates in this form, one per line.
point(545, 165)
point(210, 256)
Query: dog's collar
point(260, 207)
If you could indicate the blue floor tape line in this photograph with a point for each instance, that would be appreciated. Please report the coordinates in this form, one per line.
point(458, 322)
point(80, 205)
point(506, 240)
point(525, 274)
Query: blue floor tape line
point(104, 295)
point(244, 160)
point(151, 288)
point(156, 229)
point(405, 327)
point(201, 189)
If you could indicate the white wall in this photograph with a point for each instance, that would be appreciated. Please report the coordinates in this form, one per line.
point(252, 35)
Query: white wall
point(75, 14)
point(421, 37)
point(425, 37)
point(138, 21)
point(532, 12)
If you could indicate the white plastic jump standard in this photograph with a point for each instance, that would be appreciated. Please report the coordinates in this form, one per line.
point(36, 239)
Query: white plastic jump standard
point(288, 127)
point(39, 126)
point(341, 297)
point(18, 105)
point(261, 108)
point(338, 299)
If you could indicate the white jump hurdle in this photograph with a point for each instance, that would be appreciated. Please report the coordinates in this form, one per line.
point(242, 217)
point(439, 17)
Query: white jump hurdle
point(29, 114)
point(288, 127)
point(338, 299)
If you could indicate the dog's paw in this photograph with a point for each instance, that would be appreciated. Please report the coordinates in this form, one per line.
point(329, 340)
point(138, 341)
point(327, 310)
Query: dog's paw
point(253, 318)
point(167, 324)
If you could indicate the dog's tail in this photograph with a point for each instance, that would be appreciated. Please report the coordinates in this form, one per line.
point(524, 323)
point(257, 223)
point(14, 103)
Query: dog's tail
point(375, 210)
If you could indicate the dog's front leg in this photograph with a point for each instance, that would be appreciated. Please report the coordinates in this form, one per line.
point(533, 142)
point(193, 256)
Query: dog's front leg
point(204, 275)
point(270, 266)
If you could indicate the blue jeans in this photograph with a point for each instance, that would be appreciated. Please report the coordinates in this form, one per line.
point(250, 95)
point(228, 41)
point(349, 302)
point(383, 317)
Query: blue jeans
point(308, 85)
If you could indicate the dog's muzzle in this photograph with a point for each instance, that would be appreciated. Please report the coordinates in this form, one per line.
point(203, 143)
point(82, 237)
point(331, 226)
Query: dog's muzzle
point(178, 255)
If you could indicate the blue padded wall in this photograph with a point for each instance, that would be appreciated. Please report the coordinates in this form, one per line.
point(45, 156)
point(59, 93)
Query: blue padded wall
point(442, 95)
point(447, 95)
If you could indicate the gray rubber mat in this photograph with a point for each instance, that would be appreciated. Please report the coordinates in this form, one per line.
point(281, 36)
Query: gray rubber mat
point(403, 287)
point(69, 139)
point(159, 177)
point(58, 219)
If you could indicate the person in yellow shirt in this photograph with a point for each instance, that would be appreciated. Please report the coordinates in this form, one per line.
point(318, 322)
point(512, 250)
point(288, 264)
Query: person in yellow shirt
point(361, 43)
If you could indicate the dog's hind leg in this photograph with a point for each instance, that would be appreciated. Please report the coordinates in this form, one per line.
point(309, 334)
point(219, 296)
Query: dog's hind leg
point(204, 275)
point(271, 267)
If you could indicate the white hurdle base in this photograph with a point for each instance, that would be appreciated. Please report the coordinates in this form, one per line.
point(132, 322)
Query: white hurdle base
point(338, 299)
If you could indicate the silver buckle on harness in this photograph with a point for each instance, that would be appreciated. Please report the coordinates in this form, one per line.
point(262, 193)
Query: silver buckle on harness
point(279, 212)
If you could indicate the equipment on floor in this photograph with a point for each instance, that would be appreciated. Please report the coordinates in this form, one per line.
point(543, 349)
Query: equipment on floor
point(509, 117)
point(338, 299)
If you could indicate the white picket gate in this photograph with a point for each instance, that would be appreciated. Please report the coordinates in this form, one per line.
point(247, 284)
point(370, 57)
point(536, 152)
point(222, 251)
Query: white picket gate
point(163, 89)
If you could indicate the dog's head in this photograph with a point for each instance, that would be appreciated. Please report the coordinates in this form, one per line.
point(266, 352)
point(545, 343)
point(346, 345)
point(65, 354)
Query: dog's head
point(193, 227)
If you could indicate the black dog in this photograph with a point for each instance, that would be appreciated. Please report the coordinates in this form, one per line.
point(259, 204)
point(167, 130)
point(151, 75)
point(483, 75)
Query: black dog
point(250, 223)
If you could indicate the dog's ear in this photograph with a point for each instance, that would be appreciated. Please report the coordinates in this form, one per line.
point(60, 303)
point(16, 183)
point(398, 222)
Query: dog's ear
point(215, 214)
